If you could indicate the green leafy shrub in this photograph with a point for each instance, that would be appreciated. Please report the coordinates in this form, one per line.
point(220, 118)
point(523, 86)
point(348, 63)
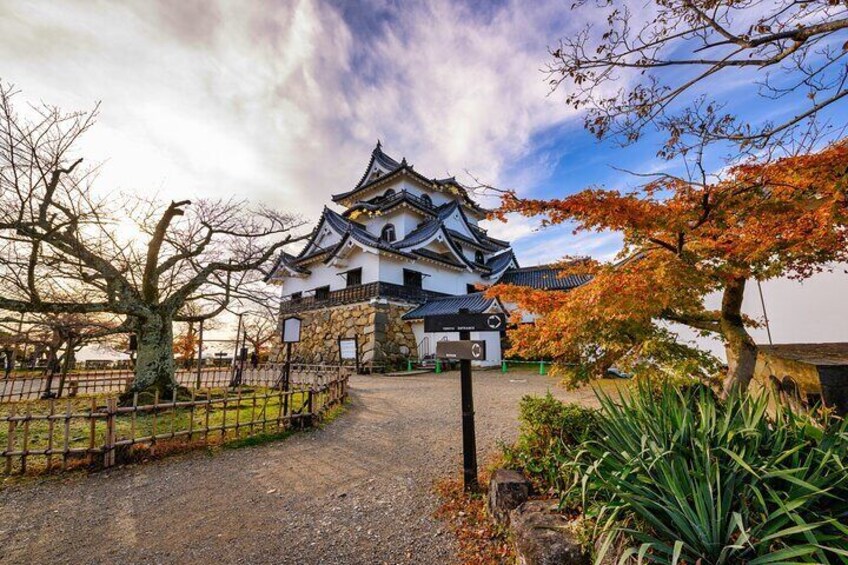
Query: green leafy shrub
point(680, 476)
point(549, 429)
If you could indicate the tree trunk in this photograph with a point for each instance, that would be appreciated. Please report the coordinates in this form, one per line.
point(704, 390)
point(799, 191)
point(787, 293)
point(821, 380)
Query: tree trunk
point(154, 366)
point(67, 365)
point(739, 346)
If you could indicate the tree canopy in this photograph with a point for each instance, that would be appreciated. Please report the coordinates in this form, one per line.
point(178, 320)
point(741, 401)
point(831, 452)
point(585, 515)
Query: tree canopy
point(658, 64)
point(683, 241)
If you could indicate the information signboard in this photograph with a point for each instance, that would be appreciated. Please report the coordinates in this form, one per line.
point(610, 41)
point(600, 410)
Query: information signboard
point(347, 349)
point(463, 349)
point(465, 323)
point(291, 330)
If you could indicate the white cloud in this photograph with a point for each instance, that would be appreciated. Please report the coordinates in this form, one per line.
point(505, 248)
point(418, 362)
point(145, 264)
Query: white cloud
point(282, 102)
point(516, 227)
point(557, 242)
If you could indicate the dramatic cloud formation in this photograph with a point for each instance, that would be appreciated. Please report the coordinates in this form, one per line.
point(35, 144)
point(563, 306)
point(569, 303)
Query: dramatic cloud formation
point(281, 102)
point(277, 101)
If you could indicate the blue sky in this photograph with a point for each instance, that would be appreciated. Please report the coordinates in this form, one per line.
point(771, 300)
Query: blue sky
point(281, 102)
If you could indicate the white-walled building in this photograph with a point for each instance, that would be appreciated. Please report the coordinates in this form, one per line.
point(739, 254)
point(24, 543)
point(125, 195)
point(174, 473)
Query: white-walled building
point(402, 246)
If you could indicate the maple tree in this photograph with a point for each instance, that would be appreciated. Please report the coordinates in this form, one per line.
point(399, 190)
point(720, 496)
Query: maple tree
point(682, 241)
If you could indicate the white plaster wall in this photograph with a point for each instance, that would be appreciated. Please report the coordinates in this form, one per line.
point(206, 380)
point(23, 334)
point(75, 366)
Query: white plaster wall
point(323, 275)
point(404, 221)
point(455, 222)
point(381, 268)
point(439, 279)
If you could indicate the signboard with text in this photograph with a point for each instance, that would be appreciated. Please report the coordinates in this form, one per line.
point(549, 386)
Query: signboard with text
point(465, 322)
point(464, 349)
point(291, 330)
point(347, 349)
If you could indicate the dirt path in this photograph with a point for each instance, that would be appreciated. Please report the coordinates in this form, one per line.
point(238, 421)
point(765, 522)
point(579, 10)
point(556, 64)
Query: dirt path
point(356, 491)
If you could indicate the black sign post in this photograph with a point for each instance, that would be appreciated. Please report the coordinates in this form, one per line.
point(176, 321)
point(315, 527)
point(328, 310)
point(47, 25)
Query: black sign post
point(465, 350)
point(469, 438)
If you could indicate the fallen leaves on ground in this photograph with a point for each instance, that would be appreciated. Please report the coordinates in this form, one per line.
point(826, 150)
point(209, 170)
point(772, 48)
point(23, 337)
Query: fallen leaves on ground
point(481, 541)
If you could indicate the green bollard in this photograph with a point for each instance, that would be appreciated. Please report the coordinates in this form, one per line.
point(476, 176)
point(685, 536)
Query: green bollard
point(503, 366)
point(409, 365)
point(438, 366)
point(541, 367)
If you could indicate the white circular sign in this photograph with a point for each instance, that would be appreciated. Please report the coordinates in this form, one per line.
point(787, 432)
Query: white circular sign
point(494, 322)
point(476, 351)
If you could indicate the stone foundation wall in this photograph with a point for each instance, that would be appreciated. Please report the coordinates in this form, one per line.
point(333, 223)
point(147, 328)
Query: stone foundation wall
point(385, 340)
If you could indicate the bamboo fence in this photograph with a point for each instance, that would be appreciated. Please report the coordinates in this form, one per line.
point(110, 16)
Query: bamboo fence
point(84, 383)
point(58, 434)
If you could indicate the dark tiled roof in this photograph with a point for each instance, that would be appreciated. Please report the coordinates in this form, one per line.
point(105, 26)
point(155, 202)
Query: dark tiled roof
point(379, 157)
point(350, 229)
point(498, 262)
point(471, 241)
point(476, 303)
point(382, 204)
point(285, 260)
point(814, 353)
point(445, 210)
point(421, 233)
point(393, 168)
point(481, 233)
point(448, 260)
point(543, 277)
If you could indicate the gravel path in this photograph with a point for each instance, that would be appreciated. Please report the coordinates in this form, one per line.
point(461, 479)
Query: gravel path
point(357, 491)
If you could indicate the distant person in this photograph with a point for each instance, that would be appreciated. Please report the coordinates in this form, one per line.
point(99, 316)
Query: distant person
point(254, 359)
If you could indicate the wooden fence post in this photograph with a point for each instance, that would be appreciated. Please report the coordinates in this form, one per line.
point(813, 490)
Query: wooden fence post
point(109, 447)
point(10, 439)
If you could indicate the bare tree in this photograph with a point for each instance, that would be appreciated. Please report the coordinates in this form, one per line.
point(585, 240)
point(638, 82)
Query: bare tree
point(630, 75)
point(59, 337)
point(261, 328)
point(61, 250)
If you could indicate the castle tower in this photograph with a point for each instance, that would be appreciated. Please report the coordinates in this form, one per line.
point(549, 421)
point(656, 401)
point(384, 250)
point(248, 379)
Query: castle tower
point(401, 240)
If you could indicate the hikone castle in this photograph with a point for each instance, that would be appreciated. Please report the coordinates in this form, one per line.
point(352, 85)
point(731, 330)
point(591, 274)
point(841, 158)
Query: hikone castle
point(403, 246)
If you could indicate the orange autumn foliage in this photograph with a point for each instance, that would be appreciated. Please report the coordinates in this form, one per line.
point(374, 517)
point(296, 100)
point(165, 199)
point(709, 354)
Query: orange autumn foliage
point(683, 241)
point(185, 344)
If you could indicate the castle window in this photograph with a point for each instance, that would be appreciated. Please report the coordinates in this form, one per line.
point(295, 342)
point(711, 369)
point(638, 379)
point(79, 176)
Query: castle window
point(389, 193)
point(412, 278)
point(388, 233)
point(478, 256)
point(296, 296)
point(354, 277)
point(427, 200)
point(322, 293)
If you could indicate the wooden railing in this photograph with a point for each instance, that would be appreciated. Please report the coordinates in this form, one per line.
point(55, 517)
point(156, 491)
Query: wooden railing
point(59, 434)
point(358, 293)
point(86, 383)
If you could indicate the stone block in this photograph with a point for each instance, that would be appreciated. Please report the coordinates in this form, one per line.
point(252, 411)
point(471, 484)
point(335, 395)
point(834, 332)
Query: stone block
point(542, 536)
point(507, 491)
